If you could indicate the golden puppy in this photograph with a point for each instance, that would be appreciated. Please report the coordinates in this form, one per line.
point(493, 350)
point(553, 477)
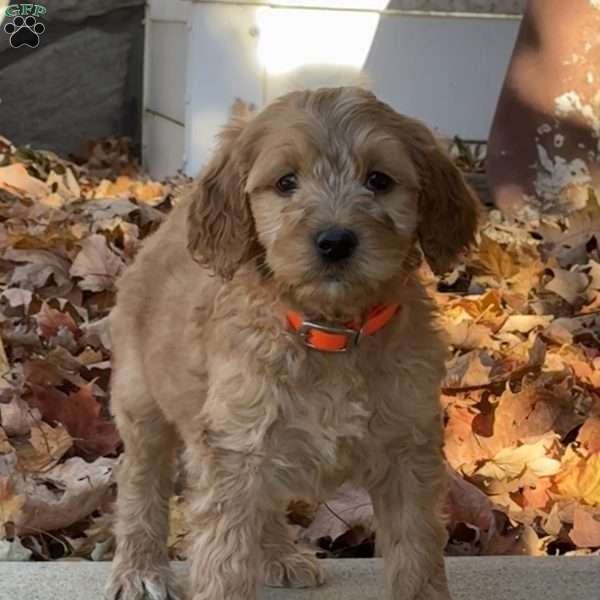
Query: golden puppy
point(274, 325)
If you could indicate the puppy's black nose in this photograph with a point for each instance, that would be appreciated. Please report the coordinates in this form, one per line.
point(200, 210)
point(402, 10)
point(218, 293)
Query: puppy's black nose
point(336, 244)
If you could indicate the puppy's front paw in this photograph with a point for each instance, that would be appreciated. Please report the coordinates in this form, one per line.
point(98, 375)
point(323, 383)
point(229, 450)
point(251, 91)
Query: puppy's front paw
point(435, 590)
point(295, 570)
point(131, 584)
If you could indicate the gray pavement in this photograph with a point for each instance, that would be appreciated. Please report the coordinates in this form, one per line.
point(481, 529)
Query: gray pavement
point(502, 578)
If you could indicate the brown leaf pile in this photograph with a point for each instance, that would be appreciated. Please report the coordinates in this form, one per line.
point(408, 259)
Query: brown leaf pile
point(67, 230)
point(521, 398)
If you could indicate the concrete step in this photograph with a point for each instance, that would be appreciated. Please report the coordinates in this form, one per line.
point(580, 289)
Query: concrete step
point(490, 578)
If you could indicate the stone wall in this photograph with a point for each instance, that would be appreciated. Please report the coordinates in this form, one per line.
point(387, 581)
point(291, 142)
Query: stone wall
point(83, 81)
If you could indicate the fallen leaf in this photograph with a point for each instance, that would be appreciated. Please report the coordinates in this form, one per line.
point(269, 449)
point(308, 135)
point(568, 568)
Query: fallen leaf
point(466, 503)
point(561, 331)
point(569, 285)
point(484, 309)
point(462, 446)
point(17, 418)
point(469, 370)
point(64, 495)
point(350, 507)
point(589, 435)
point(46, 446)
point(37, 269)
point(524, 280)
point(528, 413)
point(525, 323)
point(151, 193)
point(64, 185)
point(96, 265)
point(178, 527)
point(4, 366)
point(10, 504)
point(580, 478)
point(522, 540)
point(14, 551)
point(18, 297)
point(586, 372)
point(538, 497)
point(468, 335)
point(511, 463)
point(51, 321)
point(15, 178)
point(5, 445)
point(586, 528)
point(80, 413)
point(494, 260)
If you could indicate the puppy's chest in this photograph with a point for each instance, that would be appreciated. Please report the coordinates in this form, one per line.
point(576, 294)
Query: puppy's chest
point(325, 413)
point(333, 398)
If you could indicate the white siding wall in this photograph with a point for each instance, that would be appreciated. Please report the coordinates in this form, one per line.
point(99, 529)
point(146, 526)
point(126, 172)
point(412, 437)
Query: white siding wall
point(222, 66)
point(445, 70)
point(165, 86)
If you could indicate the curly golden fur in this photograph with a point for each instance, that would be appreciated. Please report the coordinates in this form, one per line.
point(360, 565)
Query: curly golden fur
point(203, 355)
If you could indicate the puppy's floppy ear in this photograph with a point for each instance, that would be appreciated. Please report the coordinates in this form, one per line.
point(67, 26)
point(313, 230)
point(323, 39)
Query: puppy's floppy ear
point(221, 233)
point(448, 209)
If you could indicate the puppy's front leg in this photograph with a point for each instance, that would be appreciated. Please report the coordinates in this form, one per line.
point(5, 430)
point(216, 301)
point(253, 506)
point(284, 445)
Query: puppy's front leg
point(407, 497)
point(226, 519)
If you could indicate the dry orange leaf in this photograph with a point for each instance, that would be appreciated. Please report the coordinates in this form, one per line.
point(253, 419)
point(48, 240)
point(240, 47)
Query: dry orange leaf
point(10, 503)
point(528, 413)
point(538, 496)
point(150, 192)
point(5, 445)
point(494, 260)
point(589, 435)
point(45, 448)
point(178, 525)
point(512, 463)
point(580, 478)
point(15, 178)
point(469, 370)
point(51, 321)
point(586, 527)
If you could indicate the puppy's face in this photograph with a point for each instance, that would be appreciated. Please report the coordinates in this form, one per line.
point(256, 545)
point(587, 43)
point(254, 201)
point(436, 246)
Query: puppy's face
point(334, 198)
point(330, 189)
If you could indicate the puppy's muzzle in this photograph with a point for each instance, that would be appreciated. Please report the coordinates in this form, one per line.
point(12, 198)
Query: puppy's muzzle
point(336, 244)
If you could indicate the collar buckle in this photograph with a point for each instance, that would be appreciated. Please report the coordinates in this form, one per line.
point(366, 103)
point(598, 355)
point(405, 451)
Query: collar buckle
point(352, 335)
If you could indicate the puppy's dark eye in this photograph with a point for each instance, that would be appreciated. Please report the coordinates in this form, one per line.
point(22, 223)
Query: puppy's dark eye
point(378, 181)
point(287, 184)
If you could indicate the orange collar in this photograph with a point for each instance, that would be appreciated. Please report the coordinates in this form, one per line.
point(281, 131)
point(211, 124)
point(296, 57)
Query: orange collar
point(331, 338)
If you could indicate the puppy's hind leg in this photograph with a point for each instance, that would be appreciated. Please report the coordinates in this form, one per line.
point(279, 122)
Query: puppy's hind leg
point(283, 564)
point(140, 568)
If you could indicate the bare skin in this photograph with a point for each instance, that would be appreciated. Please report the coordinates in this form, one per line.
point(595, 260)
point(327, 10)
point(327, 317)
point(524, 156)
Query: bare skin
point(544, 140)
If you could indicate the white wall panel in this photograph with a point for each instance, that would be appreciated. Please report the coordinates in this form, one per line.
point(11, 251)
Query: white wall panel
point(167, 60)
point(164, 146)
point(169, 10)
point(445, 71)
point(222, 66)
point(448, 72)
